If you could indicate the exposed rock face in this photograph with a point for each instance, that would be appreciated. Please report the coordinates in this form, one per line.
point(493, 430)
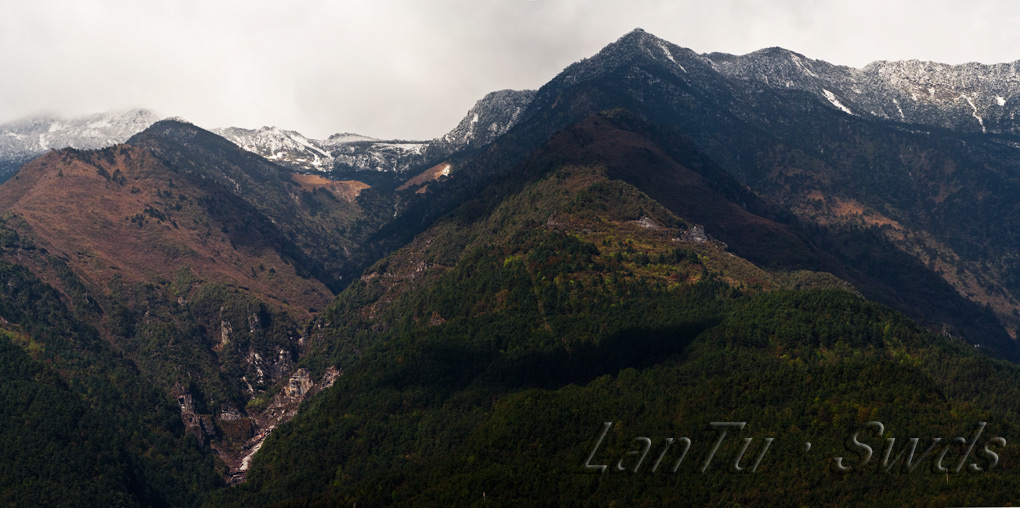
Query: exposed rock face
point(236, 434)
point(297, 386)
point(696, 235)
point(225, 330)
point(330, 377)
point(199, 425)
point(647, 222)
point(284, 405)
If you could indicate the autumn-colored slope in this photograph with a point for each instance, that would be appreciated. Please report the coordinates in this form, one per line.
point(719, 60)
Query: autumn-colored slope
point(121, 213)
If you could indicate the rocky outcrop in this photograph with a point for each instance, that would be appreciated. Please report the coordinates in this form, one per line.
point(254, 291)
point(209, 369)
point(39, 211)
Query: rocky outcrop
point(200, 426)
point(695, 235)
point(283, 406)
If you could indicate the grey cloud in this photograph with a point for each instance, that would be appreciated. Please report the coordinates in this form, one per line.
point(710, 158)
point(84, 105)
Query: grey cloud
point(411, 68)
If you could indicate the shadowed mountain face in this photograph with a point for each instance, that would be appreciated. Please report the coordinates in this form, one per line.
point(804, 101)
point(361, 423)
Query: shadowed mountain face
point(606, 275)
point(938, 200)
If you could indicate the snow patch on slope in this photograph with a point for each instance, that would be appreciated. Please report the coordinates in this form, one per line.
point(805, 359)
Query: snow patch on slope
point(980, 120)
point(669, 55)
point(835, 102)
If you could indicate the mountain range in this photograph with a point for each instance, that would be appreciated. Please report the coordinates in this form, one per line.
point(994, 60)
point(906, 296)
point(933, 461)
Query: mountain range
point(655, 238)
point(341, 155)
point(350, 155)
point(25, 139)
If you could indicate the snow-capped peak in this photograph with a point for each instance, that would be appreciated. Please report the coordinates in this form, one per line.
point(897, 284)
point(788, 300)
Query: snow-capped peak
point(970, 97)
point(26, 138)
point(489, 118)
point(284, 146)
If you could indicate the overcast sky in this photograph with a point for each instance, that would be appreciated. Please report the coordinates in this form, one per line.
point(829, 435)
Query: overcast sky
point(412, 68)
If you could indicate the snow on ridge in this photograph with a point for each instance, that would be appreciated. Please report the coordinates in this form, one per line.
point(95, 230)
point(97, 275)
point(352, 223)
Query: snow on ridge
point(490, 117)
point(32, 136)
point(344, 150)
point(912, 91)
point(406, 146)
point(346, 137)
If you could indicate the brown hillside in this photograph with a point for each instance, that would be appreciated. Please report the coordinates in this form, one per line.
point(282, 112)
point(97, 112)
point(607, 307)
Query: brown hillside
point(348, 190)
point(430, 174)
point(122, 212)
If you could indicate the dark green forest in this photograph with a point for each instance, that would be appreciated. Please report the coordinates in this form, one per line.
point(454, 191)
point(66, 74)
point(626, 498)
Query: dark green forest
point(80, 426)
point(486, 379)
point(503, 406)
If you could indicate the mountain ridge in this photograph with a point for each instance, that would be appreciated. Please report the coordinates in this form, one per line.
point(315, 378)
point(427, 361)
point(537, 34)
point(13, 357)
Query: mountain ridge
point(24, 139)
point(346, 154)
